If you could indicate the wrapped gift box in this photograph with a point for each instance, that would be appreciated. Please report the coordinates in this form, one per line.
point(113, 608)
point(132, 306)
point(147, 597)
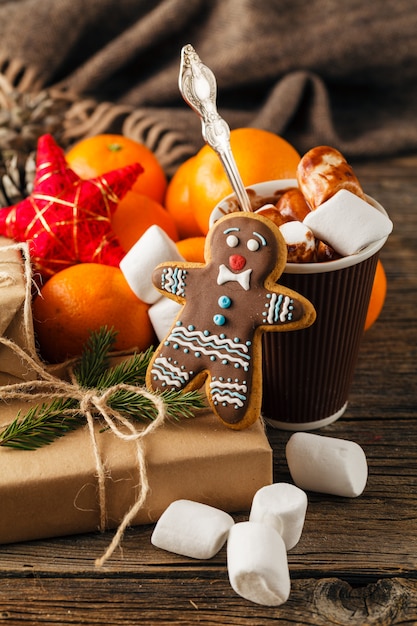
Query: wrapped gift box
point(15, 319)
point(52, 491)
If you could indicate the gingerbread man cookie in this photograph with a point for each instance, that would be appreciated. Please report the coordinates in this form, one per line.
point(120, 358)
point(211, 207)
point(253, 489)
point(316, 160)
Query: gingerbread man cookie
point(228, 303)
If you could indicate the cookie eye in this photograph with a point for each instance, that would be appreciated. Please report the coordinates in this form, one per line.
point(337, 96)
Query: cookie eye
point(232, 241)
point(253, 245)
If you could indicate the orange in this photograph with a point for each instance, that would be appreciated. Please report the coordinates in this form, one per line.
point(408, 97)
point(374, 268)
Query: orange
point(99, 154)
point(192, 249)
point(177, 201)
point(134, 214)
point(259, 154)
point(378, 294)
point(82, 298)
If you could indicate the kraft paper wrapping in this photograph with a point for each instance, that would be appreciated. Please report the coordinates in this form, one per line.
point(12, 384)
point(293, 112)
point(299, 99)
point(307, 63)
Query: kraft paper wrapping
point(14, 324)
point(53, 491)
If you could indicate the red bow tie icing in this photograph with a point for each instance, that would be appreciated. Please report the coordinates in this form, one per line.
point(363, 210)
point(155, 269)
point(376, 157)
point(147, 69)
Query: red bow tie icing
point(66, 219)
point(217, 335)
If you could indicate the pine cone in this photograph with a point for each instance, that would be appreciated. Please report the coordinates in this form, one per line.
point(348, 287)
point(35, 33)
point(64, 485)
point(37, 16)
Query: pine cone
point(24, 117)
point(17, 171)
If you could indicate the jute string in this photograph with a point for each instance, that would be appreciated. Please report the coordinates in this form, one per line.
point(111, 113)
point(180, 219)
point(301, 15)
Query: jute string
point(93, 405)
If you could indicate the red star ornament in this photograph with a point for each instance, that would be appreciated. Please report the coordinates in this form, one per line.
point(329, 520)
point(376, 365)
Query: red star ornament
point(66, 219)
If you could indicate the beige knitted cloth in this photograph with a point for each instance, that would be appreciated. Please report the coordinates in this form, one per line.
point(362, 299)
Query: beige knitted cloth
point(316, 71)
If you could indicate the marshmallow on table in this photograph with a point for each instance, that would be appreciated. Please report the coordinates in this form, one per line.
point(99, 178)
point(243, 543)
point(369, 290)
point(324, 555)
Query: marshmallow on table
point(326, 464)
point(192, 529)
point(257, 563)
point(282, 506)
point(348, 223)
point(154, 247)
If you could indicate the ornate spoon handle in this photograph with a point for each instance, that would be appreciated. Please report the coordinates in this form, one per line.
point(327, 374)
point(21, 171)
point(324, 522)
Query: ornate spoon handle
point(198, 87)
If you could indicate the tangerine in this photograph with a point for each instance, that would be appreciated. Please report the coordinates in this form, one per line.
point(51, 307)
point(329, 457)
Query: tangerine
point(177, 200)
point(259, 154)
point(96, 155)
point(378, 294)
point(81, 299)
point(192, 249)
point(134, 214)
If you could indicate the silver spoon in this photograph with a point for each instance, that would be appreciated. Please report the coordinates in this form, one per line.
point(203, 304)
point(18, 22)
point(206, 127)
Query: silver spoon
point(198, 87)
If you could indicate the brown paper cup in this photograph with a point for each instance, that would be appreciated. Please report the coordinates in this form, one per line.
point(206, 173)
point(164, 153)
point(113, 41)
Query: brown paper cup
point(307, 374)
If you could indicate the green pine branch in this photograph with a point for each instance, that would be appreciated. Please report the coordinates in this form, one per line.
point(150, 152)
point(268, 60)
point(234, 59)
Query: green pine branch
point(137, 406)
point(129, 372)
point(41, 425)
point(94, 360)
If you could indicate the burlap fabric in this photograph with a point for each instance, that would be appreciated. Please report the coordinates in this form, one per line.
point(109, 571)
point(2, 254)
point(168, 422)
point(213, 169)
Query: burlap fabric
point(316, 71)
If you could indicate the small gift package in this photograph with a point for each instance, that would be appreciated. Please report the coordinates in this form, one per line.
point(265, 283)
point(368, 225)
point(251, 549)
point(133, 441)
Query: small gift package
point(53, 491)
point(15, 314)
point(102, 474)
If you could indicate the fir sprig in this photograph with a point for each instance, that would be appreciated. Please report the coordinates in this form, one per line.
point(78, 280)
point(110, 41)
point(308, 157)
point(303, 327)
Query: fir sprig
point(130, 372)
point(139, 407)
point(94, 360)
point(41, 425)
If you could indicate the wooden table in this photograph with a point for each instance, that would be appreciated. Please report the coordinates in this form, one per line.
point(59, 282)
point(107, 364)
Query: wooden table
point(356, 562)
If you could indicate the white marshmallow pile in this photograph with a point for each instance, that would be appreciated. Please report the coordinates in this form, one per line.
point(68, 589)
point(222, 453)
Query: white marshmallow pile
point(348, 223)
point(153, 248)
point(256, 550)
point(257, 561)
point(327, 464)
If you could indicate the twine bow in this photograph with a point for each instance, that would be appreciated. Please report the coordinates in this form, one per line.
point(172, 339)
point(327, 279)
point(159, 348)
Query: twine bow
point(93, 404)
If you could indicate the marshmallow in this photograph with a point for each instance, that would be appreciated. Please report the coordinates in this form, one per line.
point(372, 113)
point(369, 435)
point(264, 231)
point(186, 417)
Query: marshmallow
point(162, 315)
point(292, 205)
point(348, 223)
point(192, 529)
point(154, 247)
point(301, 244)
point(282, 506)
point(257, 563)
point(266, 207)
point(327, 464)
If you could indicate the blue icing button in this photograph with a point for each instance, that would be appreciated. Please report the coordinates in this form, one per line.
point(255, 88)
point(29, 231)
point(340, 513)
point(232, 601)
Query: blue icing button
point(224, 302)
point(219, 319)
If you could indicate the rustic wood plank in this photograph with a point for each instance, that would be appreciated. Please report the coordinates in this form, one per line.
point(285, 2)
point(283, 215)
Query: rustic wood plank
point(201, 599)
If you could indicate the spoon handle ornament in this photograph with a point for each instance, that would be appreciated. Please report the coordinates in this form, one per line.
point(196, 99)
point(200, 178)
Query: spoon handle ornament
point(197, 85)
